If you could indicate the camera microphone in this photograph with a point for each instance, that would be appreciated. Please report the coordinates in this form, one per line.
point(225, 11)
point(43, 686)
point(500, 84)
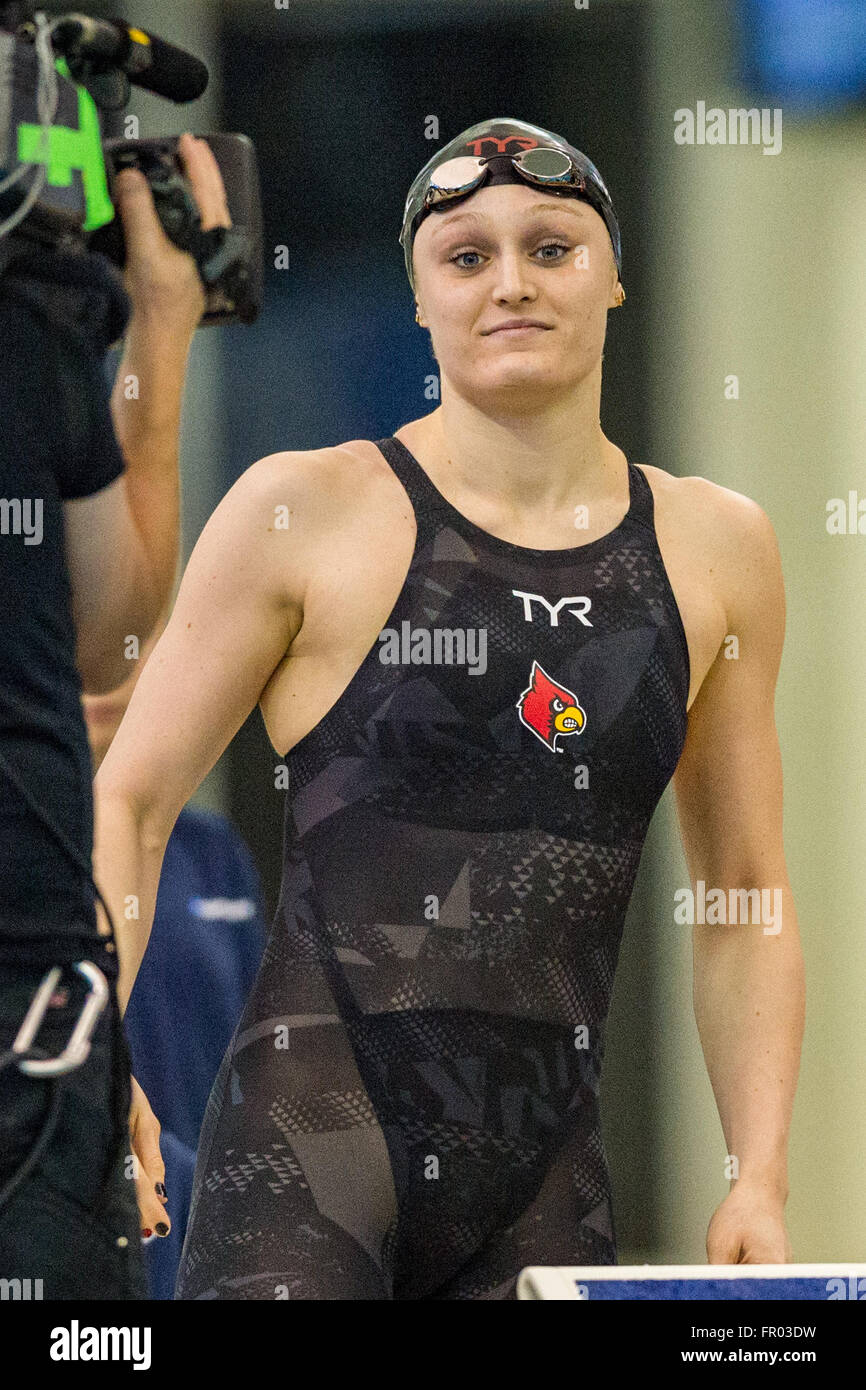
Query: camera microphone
point(147, 60)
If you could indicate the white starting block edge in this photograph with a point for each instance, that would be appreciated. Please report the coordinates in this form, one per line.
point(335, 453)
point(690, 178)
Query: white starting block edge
point(550, 1282)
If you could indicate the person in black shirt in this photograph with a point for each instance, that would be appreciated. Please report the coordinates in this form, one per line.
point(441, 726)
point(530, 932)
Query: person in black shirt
point(89, 529)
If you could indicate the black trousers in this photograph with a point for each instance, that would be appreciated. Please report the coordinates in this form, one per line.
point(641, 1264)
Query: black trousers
point(72, 1222)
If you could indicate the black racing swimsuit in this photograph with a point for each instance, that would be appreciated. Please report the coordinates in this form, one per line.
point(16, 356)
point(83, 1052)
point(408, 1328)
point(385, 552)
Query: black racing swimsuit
point(409, 1106)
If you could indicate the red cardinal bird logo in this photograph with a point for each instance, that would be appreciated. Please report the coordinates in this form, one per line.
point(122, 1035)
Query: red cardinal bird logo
point(549, 710)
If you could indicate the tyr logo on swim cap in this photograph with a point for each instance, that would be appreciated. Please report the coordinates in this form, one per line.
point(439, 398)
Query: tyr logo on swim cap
point(499, 144)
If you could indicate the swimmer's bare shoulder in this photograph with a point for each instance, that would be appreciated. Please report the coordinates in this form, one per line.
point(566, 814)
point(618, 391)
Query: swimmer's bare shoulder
point(718, 512)
point(341, 564)
point(722, 557)
point(290, 559)
point(323, 506)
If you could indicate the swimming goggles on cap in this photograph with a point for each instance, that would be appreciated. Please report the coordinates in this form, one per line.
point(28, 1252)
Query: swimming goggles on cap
point(543, 166)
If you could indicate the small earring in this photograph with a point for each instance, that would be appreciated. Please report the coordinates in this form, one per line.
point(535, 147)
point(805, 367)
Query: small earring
point(620, 296)
point(417, 316)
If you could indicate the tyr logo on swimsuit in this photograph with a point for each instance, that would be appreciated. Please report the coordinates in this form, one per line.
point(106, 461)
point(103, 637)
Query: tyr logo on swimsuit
point(554, 609)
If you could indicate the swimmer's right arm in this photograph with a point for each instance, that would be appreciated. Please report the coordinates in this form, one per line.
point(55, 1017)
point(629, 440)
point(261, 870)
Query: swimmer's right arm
point(239, 607)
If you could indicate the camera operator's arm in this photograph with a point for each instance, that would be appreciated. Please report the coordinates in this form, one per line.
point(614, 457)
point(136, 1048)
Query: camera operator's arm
point(123, 541)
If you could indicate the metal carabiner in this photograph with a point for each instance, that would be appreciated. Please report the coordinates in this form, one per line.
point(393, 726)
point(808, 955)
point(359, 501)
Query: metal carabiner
point(77, 1049)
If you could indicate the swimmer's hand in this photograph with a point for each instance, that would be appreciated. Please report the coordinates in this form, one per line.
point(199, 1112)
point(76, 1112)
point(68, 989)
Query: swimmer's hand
point(748, 1228)
point(162, 281)
point(144, 1130)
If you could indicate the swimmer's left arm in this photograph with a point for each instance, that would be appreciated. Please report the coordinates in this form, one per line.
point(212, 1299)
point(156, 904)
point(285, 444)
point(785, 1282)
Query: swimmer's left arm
point(748, 973)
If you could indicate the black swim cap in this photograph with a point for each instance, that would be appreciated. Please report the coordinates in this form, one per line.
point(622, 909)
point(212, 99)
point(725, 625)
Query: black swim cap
point(505, 136)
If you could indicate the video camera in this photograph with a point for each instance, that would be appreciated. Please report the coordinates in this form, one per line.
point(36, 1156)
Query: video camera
point(64, 83)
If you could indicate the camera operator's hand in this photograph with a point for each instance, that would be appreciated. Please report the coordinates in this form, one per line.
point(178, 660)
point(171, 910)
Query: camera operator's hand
point(162, 280)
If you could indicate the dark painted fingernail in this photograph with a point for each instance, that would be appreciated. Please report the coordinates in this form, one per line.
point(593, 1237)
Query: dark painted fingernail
point(161, 1228)
point(160, 1189)
point(146, 1232)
